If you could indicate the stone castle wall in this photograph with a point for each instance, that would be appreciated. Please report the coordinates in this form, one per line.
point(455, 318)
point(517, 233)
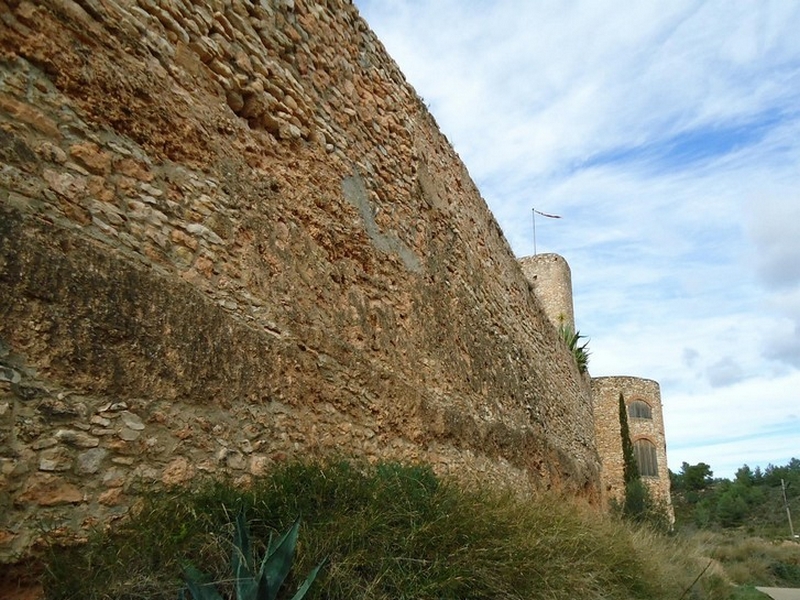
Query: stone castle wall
point(231, 234)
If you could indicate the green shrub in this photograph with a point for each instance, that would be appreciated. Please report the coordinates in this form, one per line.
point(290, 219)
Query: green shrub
point(731, 508)
point(787, 574)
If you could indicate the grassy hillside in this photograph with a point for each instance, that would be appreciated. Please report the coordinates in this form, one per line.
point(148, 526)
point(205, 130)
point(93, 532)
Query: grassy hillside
point(742, 524)
point(388, 532)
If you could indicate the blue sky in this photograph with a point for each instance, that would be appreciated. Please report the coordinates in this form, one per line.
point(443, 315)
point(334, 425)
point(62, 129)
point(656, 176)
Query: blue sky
point(667, 136)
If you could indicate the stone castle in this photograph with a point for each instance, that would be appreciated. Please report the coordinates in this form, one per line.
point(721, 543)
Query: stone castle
point(231, 234)
point(552, 282)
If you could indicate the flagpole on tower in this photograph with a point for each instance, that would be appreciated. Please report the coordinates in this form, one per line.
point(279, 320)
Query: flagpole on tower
point(535, 212)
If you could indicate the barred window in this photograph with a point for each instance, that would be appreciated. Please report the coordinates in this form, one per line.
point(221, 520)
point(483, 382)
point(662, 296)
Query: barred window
point(645, 452)
point(640, 410)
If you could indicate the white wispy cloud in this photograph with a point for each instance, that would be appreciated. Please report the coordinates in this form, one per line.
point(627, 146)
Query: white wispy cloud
point(667, 134)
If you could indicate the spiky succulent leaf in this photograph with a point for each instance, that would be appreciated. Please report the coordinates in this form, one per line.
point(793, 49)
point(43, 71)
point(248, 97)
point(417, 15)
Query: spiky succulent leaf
point(571, 339)
point(262, 590)
point(301, 591)
point(242, 560)
point(251, 586)
point(277, 563)
point(273, 547)
point(198, 585)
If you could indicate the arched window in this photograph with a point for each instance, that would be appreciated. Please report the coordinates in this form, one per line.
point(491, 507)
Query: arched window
point(639, 410)
point(645, 452)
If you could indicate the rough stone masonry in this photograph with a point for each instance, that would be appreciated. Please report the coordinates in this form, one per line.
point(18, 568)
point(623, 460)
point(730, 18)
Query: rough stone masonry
point(231, 235)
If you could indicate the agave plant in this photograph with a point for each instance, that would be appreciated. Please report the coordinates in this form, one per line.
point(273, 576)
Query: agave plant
point(572, 339)
point(249, 583)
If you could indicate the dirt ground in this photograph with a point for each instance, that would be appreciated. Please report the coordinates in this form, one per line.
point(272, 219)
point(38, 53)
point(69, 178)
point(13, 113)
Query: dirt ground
point(21, 581)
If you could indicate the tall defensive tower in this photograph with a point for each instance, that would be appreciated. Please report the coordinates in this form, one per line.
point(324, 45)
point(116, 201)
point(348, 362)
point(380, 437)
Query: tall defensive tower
point(646, 424)
point(552, 283)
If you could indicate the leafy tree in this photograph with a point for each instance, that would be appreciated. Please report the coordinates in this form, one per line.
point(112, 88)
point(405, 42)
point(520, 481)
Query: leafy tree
point(701, 515)
point(731, 508)
point(744, 476)
point(695, 477)
point(789, 473)
point(753, 499)
point(758, 476)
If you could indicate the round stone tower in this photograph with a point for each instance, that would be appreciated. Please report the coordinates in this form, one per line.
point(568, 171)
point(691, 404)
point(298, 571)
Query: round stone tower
point(646, 424)
point(552, 283)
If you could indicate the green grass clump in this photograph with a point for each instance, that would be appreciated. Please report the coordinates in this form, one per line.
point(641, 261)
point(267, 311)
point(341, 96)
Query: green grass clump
point(748, 592)
point(388, 532)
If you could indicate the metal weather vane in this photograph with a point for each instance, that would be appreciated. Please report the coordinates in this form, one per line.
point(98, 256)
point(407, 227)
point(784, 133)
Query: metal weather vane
point(535, 212)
